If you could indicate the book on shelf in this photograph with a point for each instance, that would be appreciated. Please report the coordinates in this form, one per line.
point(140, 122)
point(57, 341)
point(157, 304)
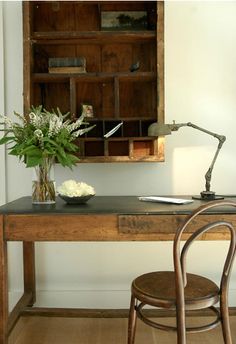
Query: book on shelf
point(67, 61)
point(67, 65)
point(66, 70)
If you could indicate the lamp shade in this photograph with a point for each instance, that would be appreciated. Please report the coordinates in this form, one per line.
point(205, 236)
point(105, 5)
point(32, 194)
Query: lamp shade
point(159, 129)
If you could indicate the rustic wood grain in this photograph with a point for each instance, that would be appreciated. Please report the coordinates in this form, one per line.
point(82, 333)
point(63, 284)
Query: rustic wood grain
point(3, 285)
point(105, 227)
point(166, 224)
point(29, 271)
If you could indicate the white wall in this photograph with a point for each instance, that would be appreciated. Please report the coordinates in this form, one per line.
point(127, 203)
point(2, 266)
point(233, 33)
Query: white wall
point(200, 86)
point(2, 110)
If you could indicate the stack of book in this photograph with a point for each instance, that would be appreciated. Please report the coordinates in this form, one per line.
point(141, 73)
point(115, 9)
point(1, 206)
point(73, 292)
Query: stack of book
point(67, 65)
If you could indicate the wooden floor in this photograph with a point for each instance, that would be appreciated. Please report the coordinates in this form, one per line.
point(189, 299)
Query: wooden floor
point(51, 330)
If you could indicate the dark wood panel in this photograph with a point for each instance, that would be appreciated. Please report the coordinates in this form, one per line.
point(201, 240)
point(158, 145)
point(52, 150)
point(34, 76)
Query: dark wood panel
point(57, 16)
point(89, 93)
point(52, 95)
point(136, 99)
point(118, 148)
point(116, 58)
point(138, 224)
point(65, 16)
point(94, 148)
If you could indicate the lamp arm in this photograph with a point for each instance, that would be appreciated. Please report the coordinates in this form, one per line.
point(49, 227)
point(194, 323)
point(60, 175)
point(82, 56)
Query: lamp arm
point(221, 139)
point(209, 171)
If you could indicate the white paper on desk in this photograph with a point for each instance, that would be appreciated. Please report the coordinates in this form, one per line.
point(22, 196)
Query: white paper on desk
point(165, 199)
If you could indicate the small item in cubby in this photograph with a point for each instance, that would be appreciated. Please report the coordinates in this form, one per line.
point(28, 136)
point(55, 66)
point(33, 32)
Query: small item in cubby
point(113, 130)
point(135, 66)
point(67, 65)
point(87, 110)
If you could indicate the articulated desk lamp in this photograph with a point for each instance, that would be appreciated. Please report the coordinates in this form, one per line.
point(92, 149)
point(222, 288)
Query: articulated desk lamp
point(160, 129)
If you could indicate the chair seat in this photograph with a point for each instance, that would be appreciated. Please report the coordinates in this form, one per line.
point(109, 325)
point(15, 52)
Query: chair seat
point(158, 289)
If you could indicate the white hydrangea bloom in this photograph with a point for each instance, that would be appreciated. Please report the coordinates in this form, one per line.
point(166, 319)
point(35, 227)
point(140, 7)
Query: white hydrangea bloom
point(71, 188)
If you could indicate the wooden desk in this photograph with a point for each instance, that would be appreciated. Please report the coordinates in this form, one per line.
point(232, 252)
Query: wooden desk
point(103, 218)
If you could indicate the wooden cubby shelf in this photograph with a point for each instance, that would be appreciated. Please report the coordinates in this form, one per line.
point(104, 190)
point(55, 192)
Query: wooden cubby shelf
point(107, 80)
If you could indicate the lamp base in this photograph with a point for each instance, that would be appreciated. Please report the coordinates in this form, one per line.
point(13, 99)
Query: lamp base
point(208, 196)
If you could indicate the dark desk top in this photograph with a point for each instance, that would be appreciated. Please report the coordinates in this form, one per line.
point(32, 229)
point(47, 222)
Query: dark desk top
point(106, 205)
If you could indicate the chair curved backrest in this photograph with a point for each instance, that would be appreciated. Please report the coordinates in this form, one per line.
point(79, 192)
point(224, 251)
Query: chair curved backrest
point(180, 255)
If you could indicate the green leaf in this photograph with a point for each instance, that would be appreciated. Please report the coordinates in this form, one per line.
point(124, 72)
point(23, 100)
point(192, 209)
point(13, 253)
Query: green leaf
point(32, 161)
point(31, 150)
point(6, 139)
point(62, 152)
point(61, 160)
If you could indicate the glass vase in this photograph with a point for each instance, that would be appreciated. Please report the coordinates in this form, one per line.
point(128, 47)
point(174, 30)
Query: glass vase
point(43, 185)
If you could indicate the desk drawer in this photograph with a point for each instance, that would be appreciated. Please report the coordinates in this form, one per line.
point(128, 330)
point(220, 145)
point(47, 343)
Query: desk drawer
point(168, 224)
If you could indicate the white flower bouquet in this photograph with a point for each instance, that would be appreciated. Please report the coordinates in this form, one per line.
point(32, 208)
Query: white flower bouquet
point(40, 138)
point(44, 134)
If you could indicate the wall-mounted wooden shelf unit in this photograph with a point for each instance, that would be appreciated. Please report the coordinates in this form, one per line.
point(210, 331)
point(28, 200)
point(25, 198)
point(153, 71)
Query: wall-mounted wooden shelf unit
point(72, 29)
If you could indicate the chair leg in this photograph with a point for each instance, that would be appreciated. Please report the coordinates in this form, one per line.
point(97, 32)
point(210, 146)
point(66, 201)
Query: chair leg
point(225, 321)
point(181, 327)
point(132, 321)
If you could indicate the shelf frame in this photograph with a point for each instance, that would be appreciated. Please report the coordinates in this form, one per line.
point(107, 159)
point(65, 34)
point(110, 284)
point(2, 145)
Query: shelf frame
point(95, 37)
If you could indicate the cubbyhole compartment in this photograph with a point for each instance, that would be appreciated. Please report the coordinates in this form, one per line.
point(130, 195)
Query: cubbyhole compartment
point(120, 57)
point(65, 16)
point(143, 148)
point(52, 96)
point(138, 99)
point(98, 94)
point(94, 148)
point(118, 148)
point(109, 125)
point(42, 53)
point(97, 131)
point(145, 125)
point(131, 128)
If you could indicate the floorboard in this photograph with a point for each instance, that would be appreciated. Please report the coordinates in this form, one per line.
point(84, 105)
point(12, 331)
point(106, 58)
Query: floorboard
point(52, 330)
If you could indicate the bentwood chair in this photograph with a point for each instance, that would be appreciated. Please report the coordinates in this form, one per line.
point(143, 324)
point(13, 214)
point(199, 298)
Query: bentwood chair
point(181, 291)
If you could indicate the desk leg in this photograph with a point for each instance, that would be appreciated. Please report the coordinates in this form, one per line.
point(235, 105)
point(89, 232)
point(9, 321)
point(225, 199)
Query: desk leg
point(3, 285)
point(29, 270)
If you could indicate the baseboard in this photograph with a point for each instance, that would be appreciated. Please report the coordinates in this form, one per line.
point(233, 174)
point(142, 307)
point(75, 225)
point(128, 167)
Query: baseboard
point(89, 299)
point(110, 313)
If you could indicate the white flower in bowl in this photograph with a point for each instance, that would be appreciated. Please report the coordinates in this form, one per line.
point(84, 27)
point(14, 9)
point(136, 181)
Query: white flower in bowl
point(71, 188)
